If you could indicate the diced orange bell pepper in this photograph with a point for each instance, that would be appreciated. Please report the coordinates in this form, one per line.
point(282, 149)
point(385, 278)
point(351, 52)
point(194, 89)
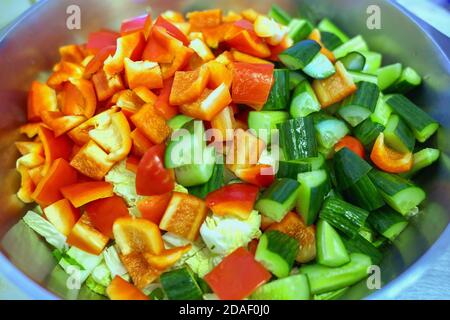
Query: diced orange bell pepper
point(106, 86)
point(161, 46)
point(81, 99)
point(62, 72)
point(209, 104)
point(71, 53)
point(92, 161)
point(152, 125)
point(145, 94)
point(184, 215)
point(215, 35)
point(30, 129)
point(61, 123)
point(390, 160)
point(132, 164)
point(286, 43)
point(40, 98)
point(293, 225)
point(140, 143)
point(181, 60)
point(245, 150)
point(188, 85)
point(62, 215)
point(168, 258)
point(335, 88)
point(25, 147)
point(205, 19)
point(162, 104)
point(36, 174)
point(153, 207)
point(232, 16)
point(317, 37)
point(353, 144)
point(173, 16)
point(101, 39)
point(140, 271)
point(27, 186)
point(128, 46)
point(248, 42)
point(120, 289)
point(261, 175)
point(80, 134)
point(133, 25)
point(104, 212)
point(85, 237)
point(243, 57)
point(224, 123)
point(135, 235)
point(30, 160)
point(266, 222)
point(54, 147)
point(61, 174)
point(250, 14)
point(143, 73)
point(81, 193)
point(218, 74)
point(251, 83)
point(97, 62)
point(172, 29)
point(201, 49)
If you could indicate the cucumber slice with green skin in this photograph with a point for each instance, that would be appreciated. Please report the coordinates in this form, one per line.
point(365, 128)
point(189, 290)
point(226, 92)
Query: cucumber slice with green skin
point(330, 40)
point(343, 216)
point(422, 125)
point(422, 159)
point(354, 61)
point(297, 138)
point(331, 251)
point(304, 101)
point(295, 77)
point(355, 44)
point(279, 94)
point(300, 54)
point(324, 279)
point(332, 295)
point(388, 75)
point(358, 76)
point(278, 199)
point(291, 169)
point(263, 122)
point(294, 287)
point(330, 131)
point(364, 194)
point(387, 222)
point(399, 193)
point(398, 136)
point(299, 29)
point(382, 111)
point(359, 244)
point(180, 284)
point(279, 15)
point(409, 79)
point(373, 61)
point(215, 182)
point(328, 26)
point(359, 106)
point(367, 132)
point(314, 186)
point(320, 67)
point(277, 251)
point(349, 168)
point(178, 121)
point(196, 174)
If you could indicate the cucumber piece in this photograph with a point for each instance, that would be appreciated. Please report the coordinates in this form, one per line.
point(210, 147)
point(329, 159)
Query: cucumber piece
point(422, 125)
point(367, 132)
point(324, 279)
point(297, 138)
point(332, 295)
point(277, 251)
point(196, 174)
point(388, 75)
point(398, 136)
point(329, 130)
point(279, 15)
point(291, 169)
point(359, 244)
point(355, 44)
point(328, 26)
point(279, 94)
point(349, 168)
point(320, 67)
point(373, 61)
point(299, 29)
point(278, 199)
point(314, 186)
point(180, 284)
point(422, 159)
point(362, 76)
point(343, 216)
point(215, 182)
point(331, 251)
point(409, 79)
point(178, 121)
point(300, 54)
point(382, 112)
point(295, 78)
point(359, 106)
point(304, 100)
point(364, 194)
point(399, 193)
point(387, 222)
point(354, 61)
point(263, 122)
point(330, 40)
point(294, 287)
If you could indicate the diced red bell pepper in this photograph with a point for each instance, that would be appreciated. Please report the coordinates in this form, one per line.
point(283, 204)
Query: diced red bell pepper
point(62, 215)
point(133, 25)
point(218, 74)
point(82, 193)
point(40, 98)
point(237, 199)
point(205, 19)
point(248, 42)
point(181, 60)
point(152, 208)
point(252, 246)
point(353, 144)
point(261, 175)
point(85, 237)
point(106, 86)
point(239, 56)
point(161, 46)
point(101, 39)
point(162, 103)
point(224, 123)
point(97, 62)
point(79, 98)
point(104, 212)
point(64, 71)
point(152, 125)
point(143, 73)
point(237, 276)
point(172, 30)
point(132, 164)
point(244, 151)
point(92, 161)
point(251, 83)
point(71, 53)
point(54, 147)
point(188, 85)
point(120, 289)
point(390, 160)
point(61, 123)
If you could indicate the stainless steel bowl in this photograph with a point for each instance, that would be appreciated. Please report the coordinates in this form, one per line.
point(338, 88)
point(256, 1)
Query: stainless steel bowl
point(30, 46)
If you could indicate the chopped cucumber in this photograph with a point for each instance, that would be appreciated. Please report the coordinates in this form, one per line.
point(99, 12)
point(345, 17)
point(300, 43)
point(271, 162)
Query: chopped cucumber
point(331, 251)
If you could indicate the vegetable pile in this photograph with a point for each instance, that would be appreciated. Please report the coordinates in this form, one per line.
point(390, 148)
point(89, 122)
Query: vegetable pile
point(113, 136)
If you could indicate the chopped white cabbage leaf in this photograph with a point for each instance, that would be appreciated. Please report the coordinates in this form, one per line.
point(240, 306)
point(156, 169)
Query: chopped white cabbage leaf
point(113, 262)
point(102, 275)
point(124, 183)
point(45, 229)
point(79, 263)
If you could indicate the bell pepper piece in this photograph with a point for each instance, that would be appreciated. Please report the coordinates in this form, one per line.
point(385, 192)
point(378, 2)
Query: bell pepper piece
point(61, 174)
point(62, 72)
point(215, 35)
point(172, 29)
point(143, 73)
point(188, 85)
point(132, 164)
point(145, 94)
point(96, 63)
point(181, 60)
point(61, 123)
point(134, 235)
point(54, 147)
point(239, 56)
point(390, 160)
point(249, 43)
point(140, 271)
point(218, 74)
point(168, 258)
point(92, 161)
point(161, 46)
point(209, 104)
point(62, 215)
point(26, 147)
point(286, 43)
point(224, 124)
point(261, 175)
point(128, 101)
point(104, 212)
point(81, 193)
point(71, 53)
point(237, 276)
point(232, 16)
point(335, 88)
point(30, 160)
point(101, 39)
point(251, 83)
point(245, 150)
point(128, 46)
point(36, 174)
point(120, 289)
point(162, 103)
point(353, 144)
point(205, 19)
point(152, 208)
point(30, 129)
point(133, 25)
point(106, 85)
point(140, 143)
point(27, 186)
point(293, 225)
point(40, 98)
point(184, 215)
point(85, 237)
point(80, 134)
point(250, 14)
point(201, 49)
point(266, 222)
point(237, 199)
point(152, 125)
point(317, 37)
point(173, 16)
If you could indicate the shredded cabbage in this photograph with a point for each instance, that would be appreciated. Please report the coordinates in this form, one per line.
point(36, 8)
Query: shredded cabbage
point(113, 262)
point(124, 183)
point(45, 229)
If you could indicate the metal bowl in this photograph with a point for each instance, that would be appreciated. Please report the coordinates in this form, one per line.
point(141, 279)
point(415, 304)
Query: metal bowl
point(29, 46)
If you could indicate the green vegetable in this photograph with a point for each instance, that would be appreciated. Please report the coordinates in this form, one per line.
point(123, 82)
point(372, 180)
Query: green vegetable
point(328, 26)
point(320, 67)
point(196, 174)
point(330, 130)
point(331, 251)
point(354, 61)
point(300, 54)
point(373, 61)
point(359, 244)
point(398, 136)
point(299, 29)
point(178, 121)
point(409, 79)
point(388, 75)
point(330, 40)
point(423, 159)
point(364, 194)
point(279, 15)
point(279, 94)
point(263, 122)
point(304, 100)
point(367, 132)
point(180, 284)
point(297, 138)
point(387, 222)
point(294, 287)
point(349, 168)
point(355, 44)
point(215, 182)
